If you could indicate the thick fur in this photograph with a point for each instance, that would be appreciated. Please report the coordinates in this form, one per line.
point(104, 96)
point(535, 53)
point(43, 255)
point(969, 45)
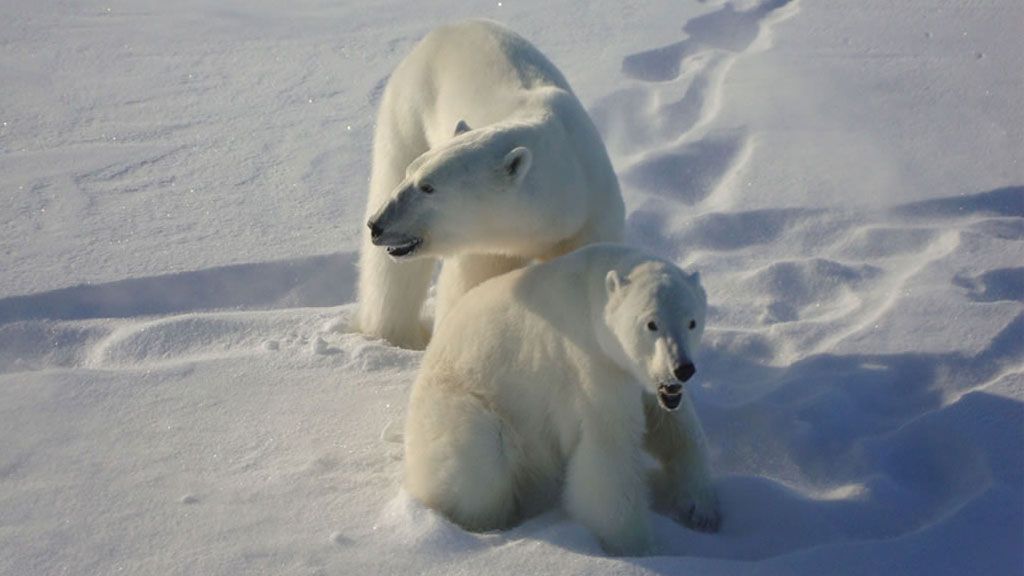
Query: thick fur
point(515, 167)
point(533, 390)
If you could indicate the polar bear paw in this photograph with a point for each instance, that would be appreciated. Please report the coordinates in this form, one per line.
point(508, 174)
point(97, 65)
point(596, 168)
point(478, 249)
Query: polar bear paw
point(702, 513)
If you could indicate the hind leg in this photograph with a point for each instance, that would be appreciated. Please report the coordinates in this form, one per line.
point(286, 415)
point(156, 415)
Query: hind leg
point(456, 460)
point(391, 293)
point(605, 490)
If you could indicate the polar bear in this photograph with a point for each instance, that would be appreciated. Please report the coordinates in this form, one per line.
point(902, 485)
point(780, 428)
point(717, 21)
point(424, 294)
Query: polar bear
point(530, 180)
point(533, 389)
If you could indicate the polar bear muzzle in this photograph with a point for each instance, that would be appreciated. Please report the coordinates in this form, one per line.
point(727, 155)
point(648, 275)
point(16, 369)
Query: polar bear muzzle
point(397, 246)
point(684, 371)
point(404, 249)
point(670, 396)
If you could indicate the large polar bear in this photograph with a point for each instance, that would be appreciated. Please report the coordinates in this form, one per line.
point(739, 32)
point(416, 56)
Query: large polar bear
point(532, 389)
point(530, 180)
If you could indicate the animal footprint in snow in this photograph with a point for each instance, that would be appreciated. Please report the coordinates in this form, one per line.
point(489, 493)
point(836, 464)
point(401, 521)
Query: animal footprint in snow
point(690, 173)
point(726, 29)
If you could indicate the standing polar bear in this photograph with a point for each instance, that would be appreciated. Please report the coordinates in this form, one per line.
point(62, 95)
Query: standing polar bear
point(530, 180)
point(532, 389)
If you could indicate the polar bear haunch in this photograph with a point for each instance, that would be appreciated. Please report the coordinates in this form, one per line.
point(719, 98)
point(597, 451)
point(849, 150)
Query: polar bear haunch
point(546, 399)
point(483, 157)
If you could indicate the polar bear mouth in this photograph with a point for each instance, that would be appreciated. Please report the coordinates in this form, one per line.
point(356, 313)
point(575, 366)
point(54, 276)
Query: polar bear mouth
point(670, 396)
point(404, 249)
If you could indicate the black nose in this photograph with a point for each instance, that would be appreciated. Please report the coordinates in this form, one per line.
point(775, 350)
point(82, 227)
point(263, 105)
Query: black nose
point(685, 372)
point(375, 230)
point(673, 388)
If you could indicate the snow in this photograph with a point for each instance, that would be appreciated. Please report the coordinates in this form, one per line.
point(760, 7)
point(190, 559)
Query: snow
point(183, 185)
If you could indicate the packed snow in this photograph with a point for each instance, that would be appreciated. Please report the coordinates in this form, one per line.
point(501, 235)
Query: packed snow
point(184, 183)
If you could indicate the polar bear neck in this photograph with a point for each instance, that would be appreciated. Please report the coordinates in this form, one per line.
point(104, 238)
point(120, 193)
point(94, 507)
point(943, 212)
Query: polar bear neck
point(543, 289)
point(568, 290)
point(600, 260)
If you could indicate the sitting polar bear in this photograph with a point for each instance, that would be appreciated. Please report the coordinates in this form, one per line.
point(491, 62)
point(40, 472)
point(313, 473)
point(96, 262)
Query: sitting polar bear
point(533, 389)
point(531, 180)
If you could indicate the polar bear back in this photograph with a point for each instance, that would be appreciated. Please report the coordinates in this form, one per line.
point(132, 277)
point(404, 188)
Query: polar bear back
point(536, 323)
point(537, 307)
point(477, 71)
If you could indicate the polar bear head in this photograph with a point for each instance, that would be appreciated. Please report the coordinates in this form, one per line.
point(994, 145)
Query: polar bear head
point(476, 193)
point(655, 320)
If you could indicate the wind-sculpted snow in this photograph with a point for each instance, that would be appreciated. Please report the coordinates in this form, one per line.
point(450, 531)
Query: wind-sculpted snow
point(181, 391)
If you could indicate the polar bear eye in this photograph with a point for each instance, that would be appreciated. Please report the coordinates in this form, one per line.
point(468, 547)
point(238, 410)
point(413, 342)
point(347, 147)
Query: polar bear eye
point(652, 326)
point(693, 324)
point(426, 188)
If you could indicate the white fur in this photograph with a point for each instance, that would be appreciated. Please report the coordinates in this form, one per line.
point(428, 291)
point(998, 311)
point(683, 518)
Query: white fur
point(518, 169)
point(533, 389)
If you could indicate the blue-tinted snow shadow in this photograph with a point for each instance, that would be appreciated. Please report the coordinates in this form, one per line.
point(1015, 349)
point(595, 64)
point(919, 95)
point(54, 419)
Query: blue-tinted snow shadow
point(325, 280)
point(1007, 201)
point(726, 29)
point(949, 480)
point(651, 226)
point(1001, 284)
point(688, 173)
point(853, 450)
point(998, 213)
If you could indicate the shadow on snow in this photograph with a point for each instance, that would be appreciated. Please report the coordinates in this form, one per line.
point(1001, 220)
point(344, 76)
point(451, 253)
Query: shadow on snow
point(325, 280)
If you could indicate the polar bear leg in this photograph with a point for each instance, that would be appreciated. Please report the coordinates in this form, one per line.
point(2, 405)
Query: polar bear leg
point(457, 461)
point(391, 293)
point(460, 274)
point(683, 486)
point(605, 490)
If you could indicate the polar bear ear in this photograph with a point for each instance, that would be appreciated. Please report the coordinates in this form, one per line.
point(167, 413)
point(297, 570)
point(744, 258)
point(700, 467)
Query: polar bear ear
point(517, 163)
point(612, 282)
point(461, 127)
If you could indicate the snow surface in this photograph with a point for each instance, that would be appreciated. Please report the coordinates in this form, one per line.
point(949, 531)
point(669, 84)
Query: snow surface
point(183, 184)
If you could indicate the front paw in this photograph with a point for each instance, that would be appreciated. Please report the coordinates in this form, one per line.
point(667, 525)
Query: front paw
point(702, 513)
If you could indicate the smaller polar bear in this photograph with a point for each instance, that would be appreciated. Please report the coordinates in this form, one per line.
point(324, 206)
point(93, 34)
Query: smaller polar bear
point(533, 390)
point(483, 158)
